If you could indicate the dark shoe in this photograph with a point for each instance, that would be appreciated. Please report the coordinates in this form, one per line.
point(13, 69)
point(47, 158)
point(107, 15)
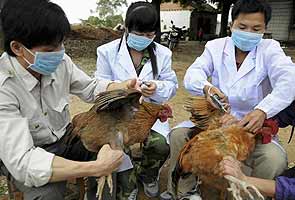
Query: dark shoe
point(191, 195)
point(133, 195)
point(150, 189)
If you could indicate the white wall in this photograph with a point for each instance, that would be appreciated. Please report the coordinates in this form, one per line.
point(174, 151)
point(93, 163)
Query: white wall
point(281, 17)
point(218, 24)
point(180, 19)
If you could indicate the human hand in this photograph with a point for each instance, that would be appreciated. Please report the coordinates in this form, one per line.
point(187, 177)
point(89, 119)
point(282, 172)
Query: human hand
point(148, 88)
point(228, 119)
point(211, 90)
point(253, 121)
point(108, 160)
point(232, 167)
point(128, 84)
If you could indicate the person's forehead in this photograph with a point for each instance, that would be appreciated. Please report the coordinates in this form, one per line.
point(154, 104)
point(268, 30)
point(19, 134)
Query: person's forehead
point(151, 32)
point(50, 47)
point(252, 18)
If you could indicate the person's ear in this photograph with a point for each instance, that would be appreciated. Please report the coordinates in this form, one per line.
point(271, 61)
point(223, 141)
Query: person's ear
point(17, 48)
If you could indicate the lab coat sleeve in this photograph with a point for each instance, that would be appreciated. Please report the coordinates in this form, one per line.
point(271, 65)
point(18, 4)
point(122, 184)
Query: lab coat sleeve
point(196, 76)
point(26, 163)
point(166, 83)
point(281, 73)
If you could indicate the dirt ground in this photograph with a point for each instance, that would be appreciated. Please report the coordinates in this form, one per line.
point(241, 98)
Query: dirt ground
point(183, 57)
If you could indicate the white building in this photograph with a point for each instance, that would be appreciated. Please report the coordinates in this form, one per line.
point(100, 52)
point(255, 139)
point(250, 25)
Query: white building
point(281, 26)
point(175, 12)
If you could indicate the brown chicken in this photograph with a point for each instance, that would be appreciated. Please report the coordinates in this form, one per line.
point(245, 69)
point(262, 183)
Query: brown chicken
point(202, 154)
point(117, 118)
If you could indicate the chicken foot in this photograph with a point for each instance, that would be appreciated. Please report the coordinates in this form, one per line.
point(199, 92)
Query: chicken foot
point(116, 144)
point(236, 186)
point(100, 185)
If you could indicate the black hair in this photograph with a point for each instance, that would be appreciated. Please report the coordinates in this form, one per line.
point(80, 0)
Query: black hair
point(252, 6)
point(142, 17)
point(33, 23)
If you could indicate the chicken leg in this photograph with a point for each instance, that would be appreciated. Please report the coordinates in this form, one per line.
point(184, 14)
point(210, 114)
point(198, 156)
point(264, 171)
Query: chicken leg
point(100, 185)
point(116, 144)
point(236, 186)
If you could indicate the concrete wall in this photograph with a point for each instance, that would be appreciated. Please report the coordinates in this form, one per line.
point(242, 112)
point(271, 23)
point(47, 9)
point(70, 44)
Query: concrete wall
point(282, 12)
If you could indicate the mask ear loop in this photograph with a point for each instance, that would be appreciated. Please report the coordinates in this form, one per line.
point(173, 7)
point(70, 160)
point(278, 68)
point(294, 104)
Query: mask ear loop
point(26, 59)
point(127, 33)
point(30, 64)
point(29, 51)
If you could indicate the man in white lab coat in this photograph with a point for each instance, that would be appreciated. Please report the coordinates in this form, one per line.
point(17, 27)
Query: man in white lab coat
point(136, 55)
point(252, 75)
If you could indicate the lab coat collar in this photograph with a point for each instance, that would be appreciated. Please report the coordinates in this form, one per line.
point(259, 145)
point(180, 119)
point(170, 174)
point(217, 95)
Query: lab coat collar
point(124, 58)
point(125, 62)
point(230, 62)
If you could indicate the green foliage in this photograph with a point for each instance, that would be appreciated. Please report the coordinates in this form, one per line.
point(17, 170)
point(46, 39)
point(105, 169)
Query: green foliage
point(3, 186)
point(108, 8)
point(108, 21)
point(107, 16)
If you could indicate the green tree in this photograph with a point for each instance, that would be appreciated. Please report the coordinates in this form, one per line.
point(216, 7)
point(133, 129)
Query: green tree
point(108, 8)
point(156, 4)
point(107, 13)
point(224, 6)
point(109, 21)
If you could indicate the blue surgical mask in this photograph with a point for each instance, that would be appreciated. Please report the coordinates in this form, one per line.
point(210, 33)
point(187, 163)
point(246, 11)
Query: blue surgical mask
point(45, 63)
point(246, 41)
point(137, 42)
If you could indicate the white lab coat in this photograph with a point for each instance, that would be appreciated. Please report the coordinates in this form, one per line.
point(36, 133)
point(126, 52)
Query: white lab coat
point(265, 80)
point(116, 64)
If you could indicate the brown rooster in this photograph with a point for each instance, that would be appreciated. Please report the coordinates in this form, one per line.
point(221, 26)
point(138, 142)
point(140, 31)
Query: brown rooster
point(117, 118)
point(202, 154)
